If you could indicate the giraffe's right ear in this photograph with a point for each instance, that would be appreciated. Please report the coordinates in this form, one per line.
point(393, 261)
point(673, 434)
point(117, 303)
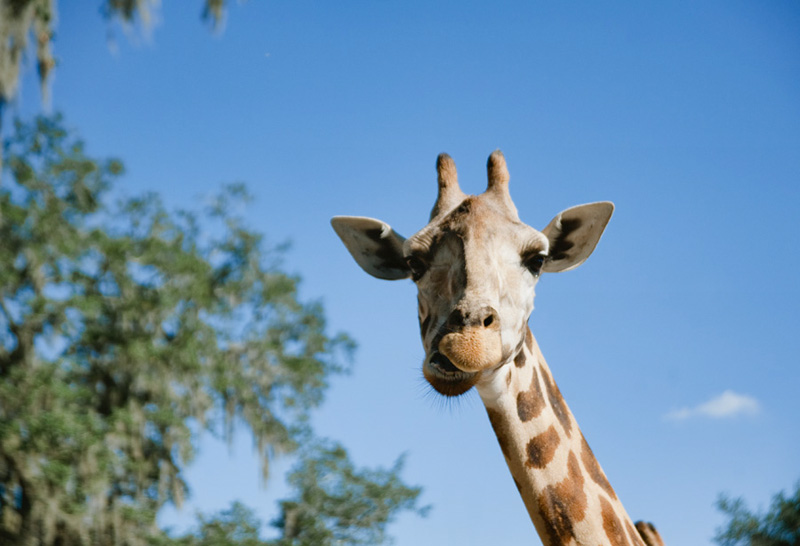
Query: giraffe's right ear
point(374, 245)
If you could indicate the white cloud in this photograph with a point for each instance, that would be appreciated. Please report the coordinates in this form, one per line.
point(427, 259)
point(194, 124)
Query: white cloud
point(727, 404)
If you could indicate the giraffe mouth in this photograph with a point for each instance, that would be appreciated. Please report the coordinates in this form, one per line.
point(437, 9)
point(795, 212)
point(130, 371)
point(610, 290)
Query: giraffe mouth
point(446, 378)
point(443, 365)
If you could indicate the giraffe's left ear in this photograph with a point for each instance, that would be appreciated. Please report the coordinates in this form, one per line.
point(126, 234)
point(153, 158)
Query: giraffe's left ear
point(574, 234)
point(374, 245)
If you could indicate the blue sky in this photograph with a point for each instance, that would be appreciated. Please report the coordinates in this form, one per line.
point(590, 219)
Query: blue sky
point(675, 344)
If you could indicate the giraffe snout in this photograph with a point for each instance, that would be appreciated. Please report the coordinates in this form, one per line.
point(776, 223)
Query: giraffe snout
point(473, 342)
point(482, 317)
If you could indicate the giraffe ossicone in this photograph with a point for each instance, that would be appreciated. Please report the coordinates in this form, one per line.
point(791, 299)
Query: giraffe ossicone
point(476, 266)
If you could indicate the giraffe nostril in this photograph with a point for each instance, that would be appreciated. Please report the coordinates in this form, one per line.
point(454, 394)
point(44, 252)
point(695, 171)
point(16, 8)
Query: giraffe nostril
point(488, 317)
point(456, 319)
point(484, 316)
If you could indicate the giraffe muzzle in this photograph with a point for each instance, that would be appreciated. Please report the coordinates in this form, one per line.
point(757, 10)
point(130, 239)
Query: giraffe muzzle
point(445, 377)
point(473, 348)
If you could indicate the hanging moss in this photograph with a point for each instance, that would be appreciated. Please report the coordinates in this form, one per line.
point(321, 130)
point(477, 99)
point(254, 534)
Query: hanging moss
point(120, 326)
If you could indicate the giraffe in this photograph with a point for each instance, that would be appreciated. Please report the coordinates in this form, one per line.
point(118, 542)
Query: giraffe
point(476, 266)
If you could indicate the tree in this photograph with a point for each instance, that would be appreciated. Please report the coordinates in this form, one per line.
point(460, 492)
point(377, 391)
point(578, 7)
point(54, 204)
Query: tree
point(334, 504)
point(337, 504)
point(22, 19)
point(236, 526)
point(19, 19)
point(126, 330)
point(779, 526)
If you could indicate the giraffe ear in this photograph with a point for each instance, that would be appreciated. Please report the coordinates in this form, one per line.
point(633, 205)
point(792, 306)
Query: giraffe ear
point(574, 234)
point(374, 245)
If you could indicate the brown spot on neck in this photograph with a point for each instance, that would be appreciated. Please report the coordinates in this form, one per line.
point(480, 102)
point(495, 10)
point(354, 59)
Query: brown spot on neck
point(593, 468)
point(557, 403)
point(530, 403)
point(563, 505)
point(611, 525)
point(501, 430)
point(542, 448)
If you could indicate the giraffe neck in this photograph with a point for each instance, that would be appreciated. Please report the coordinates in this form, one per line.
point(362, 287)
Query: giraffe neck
point(567, 495)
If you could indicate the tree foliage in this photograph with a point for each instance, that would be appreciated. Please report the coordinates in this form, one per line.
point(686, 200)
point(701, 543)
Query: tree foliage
point(236, 526)
point(779, 526)
point(333, 504)
point(125, 330)
point(21, 20)
point(336, 503)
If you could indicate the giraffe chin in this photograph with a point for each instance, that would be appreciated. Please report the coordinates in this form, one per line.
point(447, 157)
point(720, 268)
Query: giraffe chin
point(445, 378)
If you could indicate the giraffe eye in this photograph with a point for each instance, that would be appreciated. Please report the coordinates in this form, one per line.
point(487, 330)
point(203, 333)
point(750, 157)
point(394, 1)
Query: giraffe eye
point(416, 265)
point(534, 262)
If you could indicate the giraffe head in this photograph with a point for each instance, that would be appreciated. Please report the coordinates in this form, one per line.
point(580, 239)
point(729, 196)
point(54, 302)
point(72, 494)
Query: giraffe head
point(476, 266)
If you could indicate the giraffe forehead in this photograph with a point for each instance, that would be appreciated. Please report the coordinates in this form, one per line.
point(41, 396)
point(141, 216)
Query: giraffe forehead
point(476, 216)
point(481, 225)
